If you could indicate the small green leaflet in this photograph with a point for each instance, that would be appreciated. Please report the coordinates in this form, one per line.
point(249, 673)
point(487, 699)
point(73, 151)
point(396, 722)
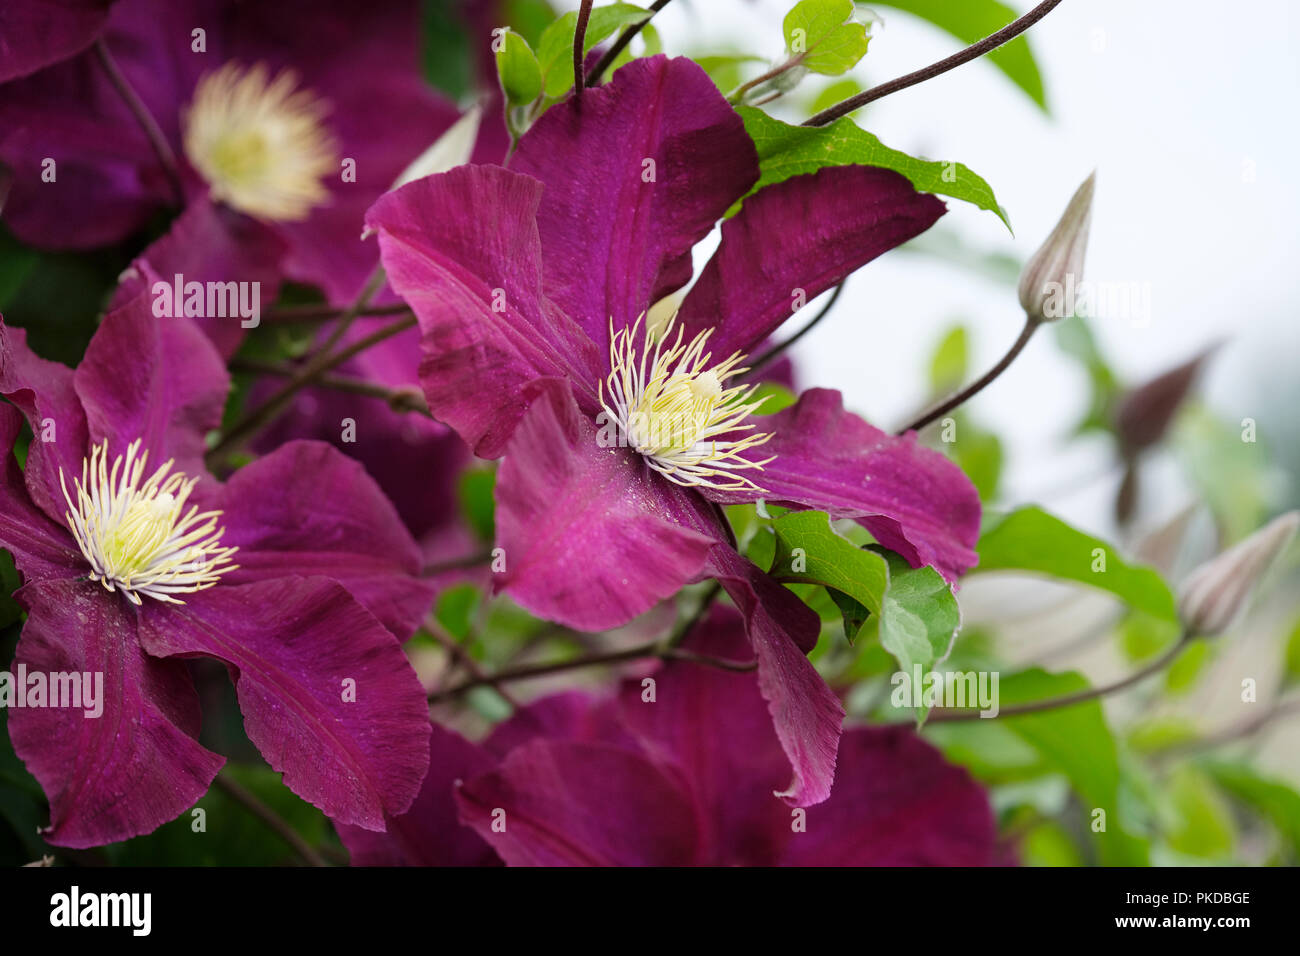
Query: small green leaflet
point(521, 77)
point(824, 38)
point(916, 613)
point(785, 151)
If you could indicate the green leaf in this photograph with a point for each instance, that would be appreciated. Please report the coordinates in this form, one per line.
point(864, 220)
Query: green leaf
point(915, 610)
point(1274, 800)
point(785, 151)
point(823, 37)
point(517, 67)
point(476, 501)
point(555, 48)
point(977, 452)
point(455, 609)
point(1197, 820)
point(834, 93)
point(950, 361)
point(971, 21)
point(725, 69)
point(1029, 539)
point(1075, 741)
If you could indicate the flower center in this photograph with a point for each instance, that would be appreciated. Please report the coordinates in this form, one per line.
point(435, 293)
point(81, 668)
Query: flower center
point(260, 143)
point(673, 411)
point(133, 534)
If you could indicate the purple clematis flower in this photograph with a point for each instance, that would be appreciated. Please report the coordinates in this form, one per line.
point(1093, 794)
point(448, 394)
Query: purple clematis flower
point(297, 573)
point(678, 772)
point(620, 441)
point(295, 115)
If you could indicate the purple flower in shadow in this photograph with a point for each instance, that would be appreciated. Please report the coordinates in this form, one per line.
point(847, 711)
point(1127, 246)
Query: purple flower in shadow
point(297, 574)
point(679, 770)
point(286, 121)
point(620, 442)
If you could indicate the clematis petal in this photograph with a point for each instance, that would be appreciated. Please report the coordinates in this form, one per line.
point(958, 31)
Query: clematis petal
point(462, 249)
point(308, 509)
point(806, 233)
point(588, 532)
point(714, 726)
point(36, 33)
point(210, 244)
point(635, 175)
point(43, 391)
point(327, 695)
point(570, 715)
point(897, 802)
point(40, 548)
point(806, 713)
point(914, 500)
point(158, 380)
point(430, 832)
point(137, 764)
point(572, 803)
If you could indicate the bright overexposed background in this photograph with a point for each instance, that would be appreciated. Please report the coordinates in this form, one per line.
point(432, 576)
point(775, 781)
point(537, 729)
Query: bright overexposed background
point(1186, 110)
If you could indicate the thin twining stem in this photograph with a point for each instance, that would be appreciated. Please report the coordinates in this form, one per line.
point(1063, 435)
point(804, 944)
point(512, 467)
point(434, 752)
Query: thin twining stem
point(245, 798)
point(619, 45)
point(780, 347)
point(399, 399)
point(1241, 731)
point(328, 313)
point(259, 417)
point(972, 52)
point(579, 39)
point(1069, 700)
point(970, 391)
point(664, 648)
point(152, 131)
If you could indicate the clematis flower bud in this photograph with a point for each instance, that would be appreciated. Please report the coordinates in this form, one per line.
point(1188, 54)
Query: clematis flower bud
point(1049, 277)
point(1216, 592)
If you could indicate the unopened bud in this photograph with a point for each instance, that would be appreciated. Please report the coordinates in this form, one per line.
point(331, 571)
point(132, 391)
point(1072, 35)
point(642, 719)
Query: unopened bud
point(1051, 273)
point(1216, 593)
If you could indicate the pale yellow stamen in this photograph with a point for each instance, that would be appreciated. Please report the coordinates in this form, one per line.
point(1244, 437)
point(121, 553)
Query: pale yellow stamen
point(133, 534)
point(671, 405)
point(260, 142)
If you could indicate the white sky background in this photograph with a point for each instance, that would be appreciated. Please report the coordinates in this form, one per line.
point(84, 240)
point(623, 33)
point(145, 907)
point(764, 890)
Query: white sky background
point(1187, 111)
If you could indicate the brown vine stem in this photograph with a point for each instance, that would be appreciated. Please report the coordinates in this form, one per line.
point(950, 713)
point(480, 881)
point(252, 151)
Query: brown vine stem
point(399, 399)
point(579, 40)
point(619, 45)
point(1069, 700)
point(972, 52)
point(665, 648)
point(259, 417)
point(245, 798)
point(970, 391)
point(152, 131)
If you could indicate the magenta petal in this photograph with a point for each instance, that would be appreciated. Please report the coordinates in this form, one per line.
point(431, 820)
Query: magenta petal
point(308, 509)
point(914, 500)
point(714, 726)
point(806, 713)
point(44, 392)
point(462, 249)
point(897, 802)
point(158, 380)
point(569, 715)
point(586, 530)
point(206, 244)
point(41, 549)
point(617, 232)
point(430, 833)
point(135, 766)
point(569, 803)
point(805, 233)
point(36, 33)
point(327, 695)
